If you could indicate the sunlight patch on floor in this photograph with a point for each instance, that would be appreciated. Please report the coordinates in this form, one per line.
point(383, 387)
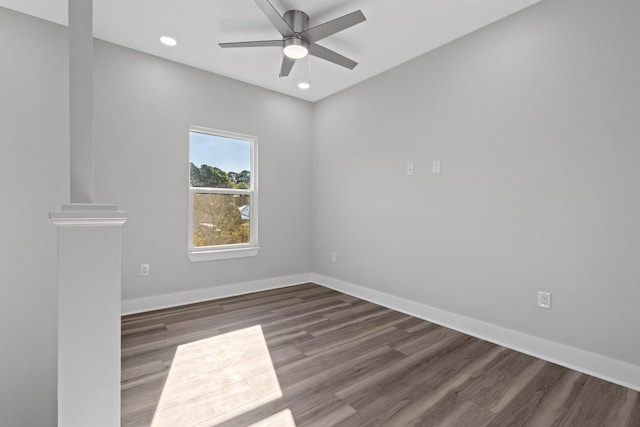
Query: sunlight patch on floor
point(216, 379)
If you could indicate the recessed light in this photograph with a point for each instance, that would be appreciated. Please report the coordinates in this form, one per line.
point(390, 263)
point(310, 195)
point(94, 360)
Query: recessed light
point(304, 85)
point(169, 41)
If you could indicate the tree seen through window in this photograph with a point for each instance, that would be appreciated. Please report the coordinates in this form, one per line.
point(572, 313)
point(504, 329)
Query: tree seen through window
point(221, 190)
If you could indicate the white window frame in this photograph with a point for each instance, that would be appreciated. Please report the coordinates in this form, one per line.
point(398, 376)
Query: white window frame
point(240, 250)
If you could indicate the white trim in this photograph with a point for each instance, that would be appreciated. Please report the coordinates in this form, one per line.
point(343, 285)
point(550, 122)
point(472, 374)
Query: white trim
point(606, 368)
point(88, 222)
point(88, 215)
point(222, 133)
point(197, 255)
point(208, 190)
point(212, 253)
point(139, 305)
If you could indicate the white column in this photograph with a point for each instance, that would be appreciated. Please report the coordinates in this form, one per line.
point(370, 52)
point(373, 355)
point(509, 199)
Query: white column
point(89, 279)
point(81, 101)
point(89, 259)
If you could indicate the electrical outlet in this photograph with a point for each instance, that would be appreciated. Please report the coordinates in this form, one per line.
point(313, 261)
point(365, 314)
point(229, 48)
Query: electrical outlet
point(410, 169)
point(435, 166)
point(544, 300)
point(334, 257)
point(144, 269)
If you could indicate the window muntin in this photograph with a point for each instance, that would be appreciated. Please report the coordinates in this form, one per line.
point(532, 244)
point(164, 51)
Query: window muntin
point(222, 194)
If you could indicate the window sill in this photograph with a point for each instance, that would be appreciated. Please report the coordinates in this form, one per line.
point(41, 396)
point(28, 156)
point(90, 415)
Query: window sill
point(216, 254)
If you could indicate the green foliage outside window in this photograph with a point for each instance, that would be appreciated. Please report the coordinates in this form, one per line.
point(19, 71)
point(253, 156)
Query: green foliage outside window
point(218, 218)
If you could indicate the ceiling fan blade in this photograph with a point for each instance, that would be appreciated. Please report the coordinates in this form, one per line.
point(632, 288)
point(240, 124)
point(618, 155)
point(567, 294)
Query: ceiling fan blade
point(331, 56)
point(260, 43)
point(276, 19)
point(287, 65)
point(321, 31)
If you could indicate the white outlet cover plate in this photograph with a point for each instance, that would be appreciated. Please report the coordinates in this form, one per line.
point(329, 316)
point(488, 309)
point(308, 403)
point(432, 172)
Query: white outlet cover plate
point(544, 300)
point(435, 168)
point(410, 169)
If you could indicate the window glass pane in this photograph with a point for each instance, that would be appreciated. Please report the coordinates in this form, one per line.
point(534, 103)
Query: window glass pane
point(219, 162)
point(220, 219)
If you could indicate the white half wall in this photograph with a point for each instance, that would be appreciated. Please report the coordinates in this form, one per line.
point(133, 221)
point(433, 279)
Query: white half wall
point(89, 274)
point(535, 122)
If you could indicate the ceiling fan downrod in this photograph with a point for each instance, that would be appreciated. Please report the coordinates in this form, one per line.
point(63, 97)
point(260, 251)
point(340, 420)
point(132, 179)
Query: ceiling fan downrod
point(297, 20)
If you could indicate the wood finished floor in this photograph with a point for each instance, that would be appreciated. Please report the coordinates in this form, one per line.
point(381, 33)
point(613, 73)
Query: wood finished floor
point(310, 356)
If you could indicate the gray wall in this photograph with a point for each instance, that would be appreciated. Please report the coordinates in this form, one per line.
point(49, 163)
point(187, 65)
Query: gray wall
point(535, 121)
point(34, 180)
point(143, 108)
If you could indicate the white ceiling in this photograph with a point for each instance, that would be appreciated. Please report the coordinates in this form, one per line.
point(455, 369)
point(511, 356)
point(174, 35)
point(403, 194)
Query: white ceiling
point(394, 32)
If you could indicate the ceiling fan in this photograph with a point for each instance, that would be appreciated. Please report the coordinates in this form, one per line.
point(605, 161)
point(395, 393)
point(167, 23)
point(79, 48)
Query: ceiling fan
point(298, 39)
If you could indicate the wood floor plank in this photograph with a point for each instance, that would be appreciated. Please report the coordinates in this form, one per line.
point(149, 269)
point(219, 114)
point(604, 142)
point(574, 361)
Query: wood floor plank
point(597, 404)
point(634, 418)
point(145, 330)
point(491, 388)
point(191, 311)
point(452, 410)
point(336, 356)
point(467, 414)
point(329, 417)
point(341, 322)
point(282, 326)
point(413, 324)
point(312, 356)
point(351, 311)
point(142, 370)
point(312, 306)
point(624, 414)
point(305, 395)
point(533, 399)
point(412, 395)
point(141, 400)
point(331, 412)
point(338, 337)
point(437, 335)
point(395, 383)
point(339, 376)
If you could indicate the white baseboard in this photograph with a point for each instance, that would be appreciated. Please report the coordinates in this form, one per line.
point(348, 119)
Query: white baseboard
point(597, 365)
point(139, 305)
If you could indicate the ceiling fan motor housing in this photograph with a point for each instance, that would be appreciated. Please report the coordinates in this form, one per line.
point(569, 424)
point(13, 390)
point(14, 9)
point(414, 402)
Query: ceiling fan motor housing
point(296, 47)
point(297, 19)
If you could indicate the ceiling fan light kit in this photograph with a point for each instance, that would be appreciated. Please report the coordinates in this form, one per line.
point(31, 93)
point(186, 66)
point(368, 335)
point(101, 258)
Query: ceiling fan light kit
point(298, 40)
point(296, 48)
